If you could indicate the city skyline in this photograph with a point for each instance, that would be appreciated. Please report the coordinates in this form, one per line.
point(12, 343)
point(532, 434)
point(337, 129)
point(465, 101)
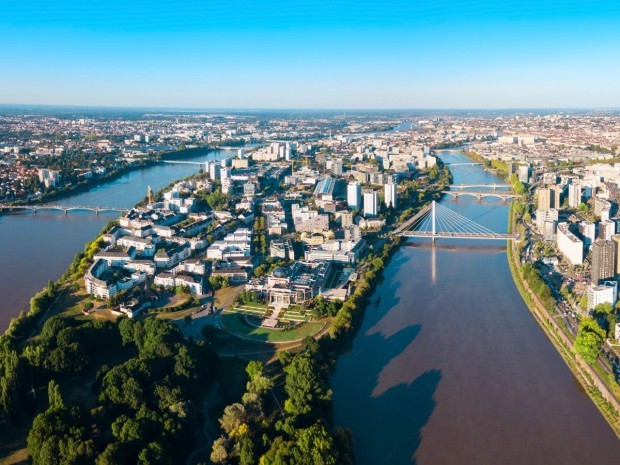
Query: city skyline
point(331, 55)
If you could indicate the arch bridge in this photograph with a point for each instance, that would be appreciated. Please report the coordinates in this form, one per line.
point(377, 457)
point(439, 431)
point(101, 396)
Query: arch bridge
point(480, 194)
point(64, 208)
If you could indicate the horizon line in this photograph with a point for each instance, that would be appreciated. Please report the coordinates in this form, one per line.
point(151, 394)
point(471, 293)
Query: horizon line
point(343, 109)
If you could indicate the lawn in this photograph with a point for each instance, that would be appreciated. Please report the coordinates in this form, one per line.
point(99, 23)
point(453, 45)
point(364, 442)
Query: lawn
point(233, 323)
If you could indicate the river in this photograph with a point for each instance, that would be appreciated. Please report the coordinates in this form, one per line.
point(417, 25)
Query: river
point(449, 367)
point(38, 247)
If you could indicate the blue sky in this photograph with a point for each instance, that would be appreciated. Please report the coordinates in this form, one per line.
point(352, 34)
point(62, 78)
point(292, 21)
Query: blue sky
point(315, 54)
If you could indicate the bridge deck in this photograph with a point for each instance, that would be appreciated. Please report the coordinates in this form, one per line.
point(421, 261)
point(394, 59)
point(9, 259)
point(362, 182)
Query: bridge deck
point(455, 235)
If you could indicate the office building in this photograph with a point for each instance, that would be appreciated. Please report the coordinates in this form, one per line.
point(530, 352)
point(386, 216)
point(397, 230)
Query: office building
point(371, 204)
point(570, 245)
point(354, 196)
point(603, 261)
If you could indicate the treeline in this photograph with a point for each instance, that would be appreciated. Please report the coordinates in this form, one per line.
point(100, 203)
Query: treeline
point(144, 410)
point(299, 433)
point(352, 308)
point(538, 285)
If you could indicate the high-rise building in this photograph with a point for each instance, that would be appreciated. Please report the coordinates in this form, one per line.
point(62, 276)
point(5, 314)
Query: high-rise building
point(587, 229)
point(214, 170)
point(606, 229)
point(603, 260)
point(616, 241)
point(371, 203)
point(49, 178)
point(390, 195)
point(543, 216)
point(556, 197)
point(354, 196)
point(544, 199)
point(574, 195)
point(337, 167)
point(512, 168)
point(523, 173)
point(569, 244)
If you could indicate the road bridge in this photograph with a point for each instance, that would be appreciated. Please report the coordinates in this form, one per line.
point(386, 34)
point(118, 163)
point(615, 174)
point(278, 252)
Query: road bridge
point(479, 195)
point(463, 164)
point(185, 162)
point(64, 208)
point(478, 186)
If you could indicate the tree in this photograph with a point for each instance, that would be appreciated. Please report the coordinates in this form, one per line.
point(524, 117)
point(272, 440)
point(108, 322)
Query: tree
point(219, 451)
point(219, 282)
point(590, 340)
point(305, 387)
point(54, 395)
point(234, 416)
point(153, 454)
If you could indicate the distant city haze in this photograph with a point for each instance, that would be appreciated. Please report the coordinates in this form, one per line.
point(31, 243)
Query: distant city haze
point(319, 54)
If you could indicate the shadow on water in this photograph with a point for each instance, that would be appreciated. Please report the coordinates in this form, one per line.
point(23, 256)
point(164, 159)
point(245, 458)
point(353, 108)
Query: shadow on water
point(409, 403)
point(404, 440)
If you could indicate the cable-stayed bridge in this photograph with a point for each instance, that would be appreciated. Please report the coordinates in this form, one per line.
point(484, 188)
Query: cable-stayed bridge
point(436, 220)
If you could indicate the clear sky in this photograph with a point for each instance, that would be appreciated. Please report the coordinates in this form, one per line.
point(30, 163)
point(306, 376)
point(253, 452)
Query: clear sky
point(311, 54)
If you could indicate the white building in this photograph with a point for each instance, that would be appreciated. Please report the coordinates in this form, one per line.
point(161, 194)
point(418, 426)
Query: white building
point(345, 251)
point(171, 280)
point(606, 229)
point(542, 216)
point(49, 178)
point(371, 203)
point(601, 294)
point(354, 196)
point(588, 230)
point(574, 195)
point(569, 244)
point(390, 195)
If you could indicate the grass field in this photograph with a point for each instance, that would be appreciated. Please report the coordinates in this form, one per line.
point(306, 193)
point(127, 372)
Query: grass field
point(233, 323)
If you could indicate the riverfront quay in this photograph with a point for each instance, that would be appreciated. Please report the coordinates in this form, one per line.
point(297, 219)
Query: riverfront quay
point(450, 367)
point(42, 246)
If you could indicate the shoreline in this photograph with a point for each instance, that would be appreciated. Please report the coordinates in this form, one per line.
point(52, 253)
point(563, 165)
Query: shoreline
point(109, 177)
